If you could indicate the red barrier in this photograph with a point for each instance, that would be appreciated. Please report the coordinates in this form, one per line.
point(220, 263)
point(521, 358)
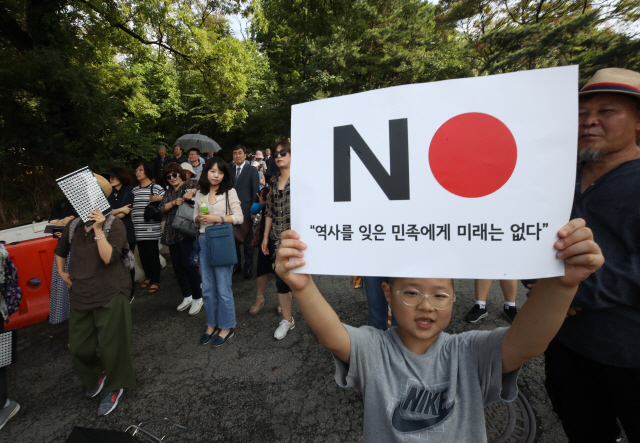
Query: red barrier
point(33, 260)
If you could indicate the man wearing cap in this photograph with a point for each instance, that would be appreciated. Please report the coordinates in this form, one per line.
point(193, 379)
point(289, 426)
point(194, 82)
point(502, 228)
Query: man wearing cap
point(593, 364)
point(100, 319)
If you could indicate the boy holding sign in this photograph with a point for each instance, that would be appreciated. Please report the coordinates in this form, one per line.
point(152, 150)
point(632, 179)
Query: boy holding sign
point(420, 382)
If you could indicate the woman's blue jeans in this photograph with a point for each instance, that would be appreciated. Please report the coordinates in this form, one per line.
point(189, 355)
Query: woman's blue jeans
point(216, 291)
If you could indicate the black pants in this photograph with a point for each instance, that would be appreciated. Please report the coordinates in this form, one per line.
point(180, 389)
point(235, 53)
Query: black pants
point(186, 274)
point(281, 286)
point(248, 249)
point(588, 396)
point(3, 376)
point(150, 259)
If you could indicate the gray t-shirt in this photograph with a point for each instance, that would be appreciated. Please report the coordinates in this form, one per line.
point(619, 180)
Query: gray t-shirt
point(435, 397)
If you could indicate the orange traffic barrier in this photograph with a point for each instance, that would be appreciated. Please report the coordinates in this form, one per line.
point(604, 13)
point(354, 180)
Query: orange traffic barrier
point(33, 260)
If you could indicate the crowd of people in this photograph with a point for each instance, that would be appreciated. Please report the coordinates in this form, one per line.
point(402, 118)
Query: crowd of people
point(587, 322)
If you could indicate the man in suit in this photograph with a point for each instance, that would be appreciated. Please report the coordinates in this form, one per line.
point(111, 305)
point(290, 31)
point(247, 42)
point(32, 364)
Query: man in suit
point(246, 182)
point(272, 167)
point(268, 159)
point(158, 164)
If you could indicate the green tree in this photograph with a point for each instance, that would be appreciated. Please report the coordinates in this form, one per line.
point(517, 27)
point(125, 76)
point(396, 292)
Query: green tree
point(97, 82)
point(324, 48)
point(511, 35)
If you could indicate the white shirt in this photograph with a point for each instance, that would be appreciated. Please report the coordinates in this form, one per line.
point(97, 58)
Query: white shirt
point(236, 172)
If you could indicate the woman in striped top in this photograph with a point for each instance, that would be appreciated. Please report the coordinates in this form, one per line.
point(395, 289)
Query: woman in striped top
point(147, 232)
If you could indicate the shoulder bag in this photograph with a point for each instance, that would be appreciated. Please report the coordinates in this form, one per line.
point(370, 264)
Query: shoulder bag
point(152, 210)
point(241, 231)
point(183, 222)
point(221, 243)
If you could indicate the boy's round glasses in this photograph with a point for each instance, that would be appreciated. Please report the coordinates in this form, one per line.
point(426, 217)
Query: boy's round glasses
point(413, 297)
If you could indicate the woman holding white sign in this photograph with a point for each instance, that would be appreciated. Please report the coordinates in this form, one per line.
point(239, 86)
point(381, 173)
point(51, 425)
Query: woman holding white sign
point(278, 220)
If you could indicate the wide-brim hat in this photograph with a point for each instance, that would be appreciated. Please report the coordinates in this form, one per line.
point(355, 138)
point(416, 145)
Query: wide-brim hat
point(614, 80)
point(104, 184)
point(111, 174)
point(187, 167)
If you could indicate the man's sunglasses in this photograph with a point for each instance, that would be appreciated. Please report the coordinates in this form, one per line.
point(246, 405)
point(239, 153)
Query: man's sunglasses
point(281, 152)
point(174, 175)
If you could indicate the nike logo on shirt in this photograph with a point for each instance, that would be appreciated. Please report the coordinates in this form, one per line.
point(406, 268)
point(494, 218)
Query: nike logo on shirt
point(425, 402)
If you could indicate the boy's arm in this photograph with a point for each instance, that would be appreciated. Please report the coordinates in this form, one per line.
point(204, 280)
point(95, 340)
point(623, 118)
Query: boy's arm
point(544, 311)
point(322, 319)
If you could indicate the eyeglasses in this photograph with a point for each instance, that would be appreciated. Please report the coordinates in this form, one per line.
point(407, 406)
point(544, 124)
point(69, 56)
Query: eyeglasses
point(174, 175)
point(413, 297)
point(281, 152)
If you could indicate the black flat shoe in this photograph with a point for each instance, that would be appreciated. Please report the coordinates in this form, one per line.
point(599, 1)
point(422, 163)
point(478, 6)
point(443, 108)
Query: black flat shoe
point(206, 338)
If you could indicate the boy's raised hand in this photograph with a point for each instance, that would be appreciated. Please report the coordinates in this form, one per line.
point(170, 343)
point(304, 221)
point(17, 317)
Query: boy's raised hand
point(582, 256)
point(550, 299)
point(291, 246)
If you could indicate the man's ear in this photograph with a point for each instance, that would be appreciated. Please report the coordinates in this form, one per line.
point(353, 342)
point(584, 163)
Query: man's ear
point(387, 291)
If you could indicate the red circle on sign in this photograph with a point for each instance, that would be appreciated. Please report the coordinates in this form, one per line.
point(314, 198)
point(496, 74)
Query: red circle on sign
point(472, 155)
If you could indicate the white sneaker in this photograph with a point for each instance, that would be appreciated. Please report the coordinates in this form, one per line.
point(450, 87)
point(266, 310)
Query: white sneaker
point(284, 327)
point(7, 412)
point(184, 305)
point(196, 305)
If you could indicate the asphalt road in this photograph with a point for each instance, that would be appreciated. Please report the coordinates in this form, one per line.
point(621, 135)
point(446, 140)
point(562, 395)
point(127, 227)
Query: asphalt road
point(254, 388)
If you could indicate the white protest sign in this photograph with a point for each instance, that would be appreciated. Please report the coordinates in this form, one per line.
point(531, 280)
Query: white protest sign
point(467, 178)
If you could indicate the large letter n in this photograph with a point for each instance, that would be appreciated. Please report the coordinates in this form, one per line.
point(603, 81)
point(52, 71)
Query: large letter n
point(395, 184)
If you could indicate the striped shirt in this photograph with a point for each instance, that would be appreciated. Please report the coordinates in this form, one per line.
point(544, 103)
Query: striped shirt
point(145, 230)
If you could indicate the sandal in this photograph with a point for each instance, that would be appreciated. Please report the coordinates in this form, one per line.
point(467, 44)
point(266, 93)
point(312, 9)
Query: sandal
point(256, 308)
point(153, 288)
point(145, 283)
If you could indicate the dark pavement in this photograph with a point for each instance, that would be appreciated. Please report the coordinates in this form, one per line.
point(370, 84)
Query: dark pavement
point(254, 388)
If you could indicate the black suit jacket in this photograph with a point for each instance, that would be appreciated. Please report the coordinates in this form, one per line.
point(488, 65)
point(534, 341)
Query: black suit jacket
point(247, 185)
point(269, 160)
point(158, 165)
point(272, 170)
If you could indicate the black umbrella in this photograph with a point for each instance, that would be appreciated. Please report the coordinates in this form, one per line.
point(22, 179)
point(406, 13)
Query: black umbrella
point(202, 142)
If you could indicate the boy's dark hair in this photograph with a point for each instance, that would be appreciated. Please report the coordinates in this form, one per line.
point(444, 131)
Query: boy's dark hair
point(225, 184)
point(391, 281)
point(236, 147)
point(174, 167)
point(195, 149)
point(148, 169)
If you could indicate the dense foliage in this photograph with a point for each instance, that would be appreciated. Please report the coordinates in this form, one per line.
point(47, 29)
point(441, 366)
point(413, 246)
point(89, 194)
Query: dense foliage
point(90, 82)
